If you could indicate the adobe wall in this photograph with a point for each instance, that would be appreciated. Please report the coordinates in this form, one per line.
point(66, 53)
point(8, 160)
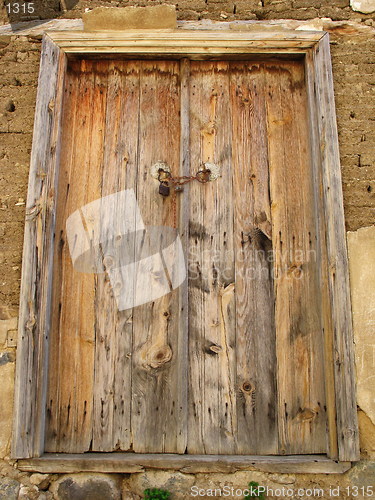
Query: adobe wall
point(337, 10)
point(353, 48)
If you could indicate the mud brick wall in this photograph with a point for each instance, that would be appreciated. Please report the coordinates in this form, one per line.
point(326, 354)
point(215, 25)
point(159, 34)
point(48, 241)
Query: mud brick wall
point(337, 10)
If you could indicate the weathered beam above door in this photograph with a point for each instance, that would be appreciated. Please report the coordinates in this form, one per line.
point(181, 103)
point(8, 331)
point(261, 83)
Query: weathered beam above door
point(185, 44)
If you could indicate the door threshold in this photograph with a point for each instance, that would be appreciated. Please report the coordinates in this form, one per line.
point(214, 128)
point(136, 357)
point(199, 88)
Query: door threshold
point(138, 462)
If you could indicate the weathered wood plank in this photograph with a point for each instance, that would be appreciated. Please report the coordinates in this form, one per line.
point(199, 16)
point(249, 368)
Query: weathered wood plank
point(186, 43)
point(106, 323)
point(202, 34)
point(34, 28)
point(279, 214)
point(35, 297)
point(68, 122)
point(156, 372)
point(338, 273)
point(134, 462)
point(321, 246)
point(255, 347)
point(310, 284)
point(106, 316)
point(77, 313)
point(301, 393)
point(212, 409)
point(112, 388)
point(74, 327)
point(183, 232)
point(126, 159)
point(95, 178)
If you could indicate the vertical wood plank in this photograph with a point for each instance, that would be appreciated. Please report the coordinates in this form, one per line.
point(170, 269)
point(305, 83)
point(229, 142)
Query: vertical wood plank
point(105, 306)
point(89, 318)
point(68, 120)
point(212, 408)
point(156, 372)
point(112, 386)
point(301, 393)
point(127, 152)
point(35, 297)
point(183, 232)
point(77, 316)
point(338, 273)
point(74, 300)
point(326, 311)
point(255, 347)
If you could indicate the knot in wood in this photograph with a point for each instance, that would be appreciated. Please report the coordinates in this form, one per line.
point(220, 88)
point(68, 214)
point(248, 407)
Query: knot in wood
point(108, 262)
point(306, 414)
point(30, 324)
point(160, 355)
point(33, 212)
point(248, 387)
point(295, 271)
point(216, 348)
point(350, 432)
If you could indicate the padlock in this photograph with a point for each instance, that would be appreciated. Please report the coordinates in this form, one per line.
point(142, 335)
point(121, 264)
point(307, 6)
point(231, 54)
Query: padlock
point(164, 189)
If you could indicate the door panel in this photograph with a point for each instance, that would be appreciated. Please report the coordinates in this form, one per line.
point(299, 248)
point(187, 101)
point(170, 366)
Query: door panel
point(255, 324)
point(212, 332)
point(110, 378)
point(157, 409)
point(301, 394)
point(252, 382)
point(113, 329)
point(72, 352)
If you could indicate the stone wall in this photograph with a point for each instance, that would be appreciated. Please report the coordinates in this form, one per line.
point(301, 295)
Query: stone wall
point(353, 49)
point(218, 9)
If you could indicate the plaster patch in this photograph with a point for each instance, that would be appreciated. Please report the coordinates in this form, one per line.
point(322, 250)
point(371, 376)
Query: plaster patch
point(114, 18)
point(361, 248)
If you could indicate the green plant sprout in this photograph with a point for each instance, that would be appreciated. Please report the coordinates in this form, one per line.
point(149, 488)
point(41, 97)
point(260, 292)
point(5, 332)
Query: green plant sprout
point(254, 493)
point(156, 494)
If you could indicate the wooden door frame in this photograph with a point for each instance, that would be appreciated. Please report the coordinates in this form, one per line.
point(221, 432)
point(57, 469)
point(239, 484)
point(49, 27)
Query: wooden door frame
point(35, 300)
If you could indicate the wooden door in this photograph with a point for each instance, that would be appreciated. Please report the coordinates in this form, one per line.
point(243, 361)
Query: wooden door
point(231, 361)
